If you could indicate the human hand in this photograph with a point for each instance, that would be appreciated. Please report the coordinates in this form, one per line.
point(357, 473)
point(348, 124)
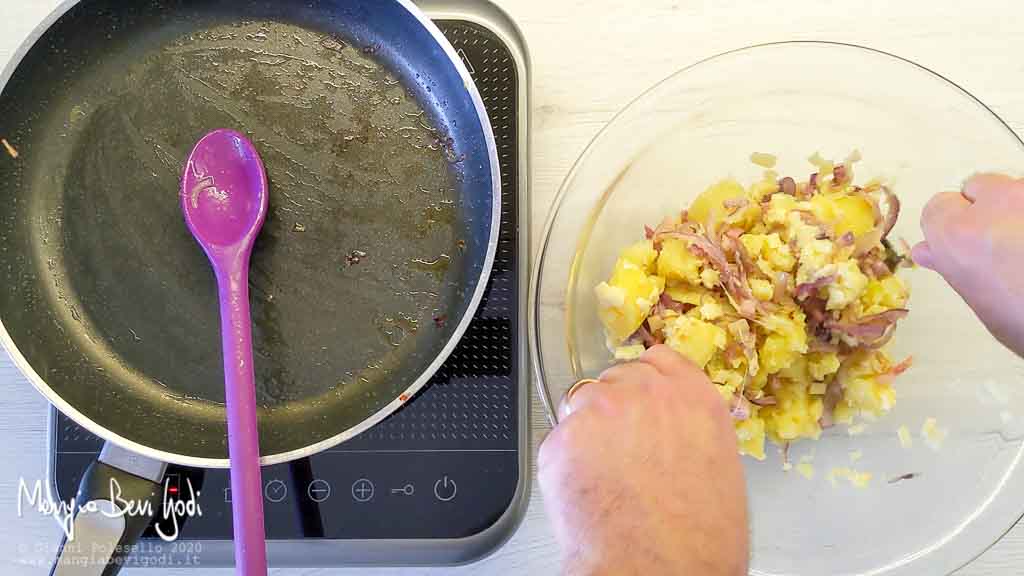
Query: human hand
point(975, 240)
point(642, 476)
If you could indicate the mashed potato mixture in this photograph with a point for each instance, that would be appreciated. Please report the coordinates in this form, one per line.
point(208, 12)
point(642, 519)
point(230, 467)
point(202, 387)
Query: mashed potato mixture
point(784, 292)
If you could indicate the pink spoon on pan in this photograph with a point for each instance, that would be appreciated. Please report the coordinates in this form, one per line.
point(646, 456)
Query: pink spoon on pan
point(224, 199)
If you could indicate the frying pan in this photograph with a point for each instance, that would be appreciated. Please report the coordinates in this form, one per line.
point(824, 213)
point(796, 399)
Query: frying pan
point(382, 228)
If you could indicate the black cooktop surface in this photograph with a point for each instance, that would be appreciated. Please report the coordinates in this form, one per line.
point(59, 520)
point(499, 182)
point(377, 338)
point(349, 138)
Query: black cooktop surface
point(447, 465)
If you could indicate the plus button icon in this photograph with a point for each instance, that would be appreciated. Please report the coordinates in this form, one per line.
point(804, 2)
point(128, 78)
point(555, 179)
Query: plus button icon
point(362, 490)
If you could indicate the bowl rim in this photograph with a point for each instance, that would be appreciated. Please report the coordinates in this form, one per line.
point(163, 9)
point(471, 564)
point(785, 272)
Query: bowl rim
point(557, 203)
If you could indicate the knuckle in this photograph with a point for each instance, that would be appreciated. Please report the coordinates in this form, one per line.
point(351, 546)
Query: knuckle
point(671, 363)
point(559, 443)
point(547, 454)
point(625, 381)
point(708, 399)
point(667, 388)
point(568, 434)
point(624, 371)
point(662, 356)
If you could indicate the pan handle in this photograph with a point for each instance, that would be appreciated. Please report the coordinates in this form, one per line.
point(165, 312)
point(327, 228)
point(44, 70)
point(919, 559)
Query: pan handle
point(110, 516)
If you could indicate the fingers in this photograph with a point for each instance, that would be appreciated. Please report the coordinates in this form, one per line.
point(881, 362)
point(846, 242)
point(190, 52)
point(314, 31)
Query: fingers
point(982, 186)
point(582, 397)
point(672, 364)
point(603, 389)
point(940, 211)
point(658, 363)
point(922, 255)
point(630, 373)
point(948, 215)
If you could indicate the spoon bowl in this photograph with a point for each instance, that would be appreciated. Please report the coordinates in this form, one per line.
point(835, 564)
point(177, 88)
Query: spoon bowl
point(224, 191)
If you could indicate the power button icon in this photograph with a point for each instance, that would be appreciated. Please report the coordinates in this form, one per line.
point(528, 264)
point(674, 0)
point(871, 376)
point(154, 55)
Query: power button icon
point(445, 489)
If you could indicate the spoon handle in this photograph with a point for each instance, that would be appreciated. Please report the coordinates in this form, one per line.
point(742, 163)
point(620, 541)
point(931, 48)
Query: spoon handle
point(243, 437)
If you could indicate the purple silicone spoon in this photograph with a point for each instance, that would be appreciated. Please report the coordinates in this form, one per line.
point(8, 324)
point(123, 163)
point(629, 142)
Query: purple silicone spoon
point(224, 198)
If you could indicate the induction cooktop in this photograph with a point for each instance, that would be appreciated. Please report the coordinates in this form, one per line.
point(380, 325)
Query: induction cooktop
point(445, 479)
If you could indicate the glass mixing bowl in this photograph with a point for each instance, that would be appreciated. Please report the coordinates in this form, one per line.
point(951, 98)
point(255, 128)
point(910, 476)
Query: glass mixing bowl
point(923, 134)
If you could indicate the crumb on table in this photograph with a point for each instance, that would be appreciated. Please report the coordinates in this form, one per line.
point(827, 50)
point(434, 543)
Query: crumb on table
point(11, 150)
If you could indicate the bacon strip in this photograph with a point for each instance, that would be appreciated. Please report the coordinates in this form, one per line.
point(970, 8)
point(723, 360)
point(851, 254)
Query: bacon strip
point(740, 331)
point(733, 352)
point(734, 284)
point(645, 336)
point(892, 214)
point(668, 303)
point(902, 366)
point(874, 266)
point(817, 316)
point(743, 259)
point(876, 210)
point(881, 342)
point(739, 407)
point(787, 186)
point(889, 375)
point(812, 186)
point(833, 394)
point(839, 174)
point(807, 289)
point(781, 287)
point(870, 328)
point(669, 229)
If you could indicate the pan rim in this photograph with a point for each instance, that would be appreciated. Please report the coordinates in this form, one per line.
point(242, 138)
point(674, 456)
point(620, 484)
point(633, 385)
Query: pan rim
point(473, 304)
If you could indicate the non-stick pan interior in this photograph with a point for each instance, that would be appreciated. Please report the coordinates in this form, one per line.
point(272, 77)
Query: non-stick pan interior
point(379, 222)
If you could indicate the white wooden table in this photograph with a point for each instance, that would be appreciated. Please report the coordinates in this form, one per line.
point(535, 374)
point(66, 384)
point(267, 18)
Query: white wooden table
point(590, 58)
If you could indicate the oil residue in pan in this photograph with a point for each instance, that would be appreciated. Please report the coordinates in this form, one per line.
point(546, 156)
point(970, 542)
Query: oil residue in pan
point(361, 249)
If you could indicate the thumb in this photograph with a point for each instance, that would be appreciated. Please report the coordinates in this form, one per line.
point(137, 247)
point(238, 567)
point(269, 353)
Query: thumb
point(922, 255)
